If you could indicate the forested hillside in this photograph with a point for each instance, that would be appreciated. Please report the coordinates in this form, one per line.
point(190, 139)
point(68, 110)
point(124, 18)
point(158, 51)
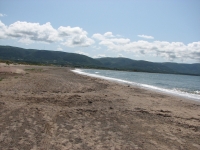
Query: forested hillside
point(46, 57)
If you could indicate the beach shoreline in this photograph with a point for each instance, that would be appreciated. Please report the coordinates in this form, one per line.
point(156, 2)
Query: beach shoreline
point(54, 108)
point(131, 84)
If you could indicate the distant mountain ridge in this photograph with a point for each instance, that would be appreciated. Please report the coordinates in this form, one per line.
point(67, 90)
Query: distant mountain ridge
point(46, 57)
point(145, 66)
point(33, 56)
point(134, 65)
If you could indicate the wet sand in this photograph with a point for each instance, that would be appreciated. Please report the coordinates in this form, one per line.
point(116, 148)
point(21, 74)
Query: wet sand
point(56, 109)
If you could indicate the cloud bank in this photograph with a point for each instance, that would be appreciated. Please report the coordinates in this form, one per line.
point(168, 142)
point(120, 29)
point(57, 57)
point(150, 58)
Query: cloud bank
point(146, 36)
point(28, 33)
point(168, 50)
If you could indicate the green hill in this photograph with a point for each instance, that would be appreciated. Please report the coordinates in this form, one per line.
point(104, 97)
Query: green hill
point(145, 66)
point(46, 57)
point(129, 64)
point(32, 56)
point(184, 68)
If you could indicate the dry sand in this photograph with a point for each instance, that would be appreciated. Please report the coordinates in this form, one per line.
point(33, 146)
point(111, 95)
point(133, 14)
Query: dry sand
point(56, 109)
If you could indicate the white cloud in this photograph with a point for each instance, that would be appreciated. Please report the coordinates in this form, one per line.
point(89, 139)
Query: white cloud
point(78, 40)
point(82, 53)
point(98, 36)
point(168, 50)
point(146, 36)
point(26, 41)
point(2, 15)
point(108, 38)
point(108, 34)
point(68, 31)
point(74, 36)
point(99, 56)
point(120, 40)
point(29, 33)
point(2, 30)
point(34, 32)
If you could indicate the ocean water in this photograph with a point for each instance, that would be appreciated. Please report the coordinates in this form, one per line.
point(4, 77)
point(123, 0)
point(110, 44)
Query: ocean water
point(182, 85)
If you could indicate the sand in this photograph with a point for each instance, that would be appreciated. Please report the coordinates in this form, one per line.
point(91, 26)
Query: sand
point(56, 109)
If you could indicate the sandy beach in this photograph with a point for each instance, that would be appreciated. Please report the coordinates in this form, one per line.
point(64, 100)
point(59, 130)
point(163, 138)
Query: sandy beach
point(53, 108)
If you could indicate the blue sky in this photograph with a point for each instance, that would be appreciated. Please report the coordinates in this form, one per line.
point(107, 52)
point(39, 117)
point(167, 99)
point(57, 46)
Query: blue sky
point(152, 30)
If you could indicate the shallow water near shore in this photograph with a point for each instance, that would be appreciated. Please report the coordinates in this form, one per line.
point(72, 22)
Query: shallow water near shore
point(182, 85)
